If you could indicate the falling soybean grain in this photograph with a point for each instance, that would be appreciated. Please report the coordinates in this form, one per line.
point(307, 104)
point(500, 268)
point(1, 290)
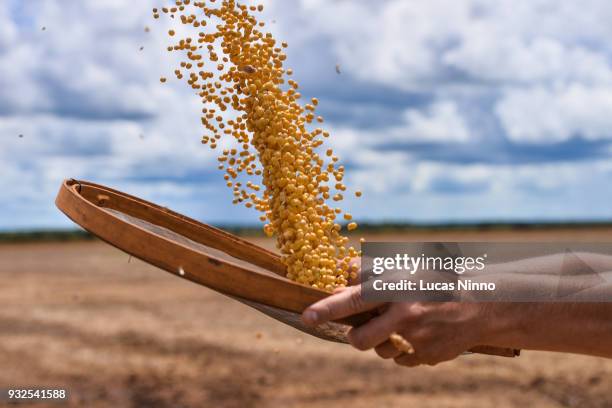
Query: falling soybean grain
point(274, 165)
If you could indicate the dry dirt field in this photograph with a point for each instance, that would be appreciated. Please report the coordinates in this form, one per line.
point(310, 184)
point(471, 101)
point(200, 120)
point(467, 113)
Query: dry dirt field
point(121, 333)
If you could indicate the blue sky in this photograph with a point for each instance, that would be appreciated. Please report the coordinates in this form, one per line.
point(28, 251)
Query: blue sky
point(462, 110)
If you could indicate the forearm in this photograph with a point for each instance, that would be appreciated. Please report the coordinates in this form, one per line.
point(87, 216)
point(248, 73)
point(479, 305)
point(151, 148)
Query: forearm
point(584, 328)
point(512, 287)
point(555, 264)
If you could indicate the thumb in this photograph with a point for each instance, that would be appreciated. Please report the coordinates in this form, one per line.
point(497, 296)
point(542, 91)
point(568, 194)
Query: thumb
point(341, 304)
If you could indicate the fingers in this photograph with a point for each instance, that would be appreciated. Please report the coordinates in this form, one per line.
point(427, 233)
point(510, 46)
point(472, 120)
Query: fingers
point(408, 360)
point(387, 350)
point(413, 360)
point(345, 303)
point(374, 332)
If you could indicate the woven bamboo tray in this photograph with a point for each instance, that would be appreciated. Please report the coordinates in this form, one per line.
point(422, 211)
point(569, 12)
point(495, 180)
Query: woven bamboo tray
point(204, 255)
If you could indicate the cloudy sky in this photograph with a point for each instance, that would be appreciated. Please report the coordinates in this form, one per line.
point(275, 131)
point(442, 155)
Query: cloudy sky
point(445, 110)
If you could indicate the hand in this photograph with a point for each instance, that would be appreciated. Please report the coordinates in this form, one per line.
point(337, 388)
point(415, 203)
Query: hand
point(437, 331)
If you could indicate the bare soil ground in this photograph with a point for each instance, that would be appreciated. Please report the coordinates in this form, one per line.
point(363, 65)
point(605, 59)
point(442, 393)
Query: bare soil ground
point(118, 332)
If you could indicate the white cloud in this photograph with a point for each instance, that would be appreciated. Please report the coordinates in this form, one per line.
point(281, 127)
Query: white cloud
point(391, 42)
point(412, 44)
point(379, 173)
point(513, 59)
point(540, 115)
point(441, 123)
point(8, 30)
point(542, 49)
point(89, 103)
